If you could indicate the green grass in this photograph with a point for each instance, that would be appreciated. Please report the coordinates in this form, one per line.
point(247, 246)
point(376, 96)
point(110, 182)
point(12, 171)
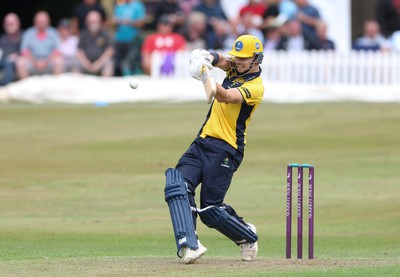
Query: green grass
point(81, 189)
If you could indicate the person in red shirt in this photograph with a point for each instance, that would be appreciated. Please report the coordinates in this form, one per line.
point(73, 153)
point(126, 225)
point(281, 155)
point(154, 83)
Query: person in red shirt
point(255, 7)
point(251, 13)
point(164, 40)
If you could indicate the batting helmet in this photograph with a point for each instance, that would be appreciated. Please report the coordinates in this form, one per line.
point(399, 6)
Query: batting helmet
point(247, 46)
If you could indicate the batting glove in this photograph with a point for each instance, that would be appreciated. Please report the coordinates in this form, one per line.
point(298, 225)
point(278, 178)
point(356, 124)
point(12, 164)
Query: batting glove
point(198, 53)
point(196, 66)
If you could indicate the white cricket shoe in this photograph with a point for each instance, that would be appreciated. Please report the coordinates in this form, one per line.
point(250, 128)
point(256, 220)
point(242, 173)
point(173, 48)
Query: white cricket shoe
point(249, 250)
point(190, 256)
point(4, 95)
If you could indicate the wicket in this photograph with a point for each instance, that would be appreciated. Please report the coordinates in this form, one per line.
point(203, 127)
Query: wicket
point(300, 168)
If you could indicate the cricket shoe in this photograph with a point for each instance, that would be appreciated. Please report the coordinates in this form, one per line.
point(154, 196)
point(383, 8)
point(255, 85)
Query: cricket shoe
point(190, 256)
point(249, 249)
point(4, 95)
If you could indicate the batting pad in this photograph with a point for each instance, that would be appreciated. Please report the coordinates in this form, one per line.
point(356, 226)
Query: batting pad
point(181, 215)
point(228, 225)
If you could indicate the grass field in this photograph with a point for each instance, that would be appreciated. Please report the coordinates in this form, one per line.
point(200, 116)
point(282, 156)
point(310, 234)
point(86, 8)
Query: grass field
point(81, 189)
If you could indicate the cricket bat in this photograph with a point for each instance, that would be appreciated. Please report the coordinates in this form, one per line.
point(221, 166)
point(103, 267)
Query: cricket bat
point(210, 86)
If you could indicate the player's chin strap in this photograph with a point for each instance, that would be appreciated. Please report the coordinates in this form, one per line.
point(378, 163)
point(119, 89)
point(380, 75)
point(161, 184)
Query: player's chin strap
point(258, 58)
point(226, 223)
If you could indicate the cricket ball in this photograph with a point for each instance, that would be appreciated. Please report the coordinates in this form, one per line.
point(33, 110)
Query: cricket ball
point(133, 83)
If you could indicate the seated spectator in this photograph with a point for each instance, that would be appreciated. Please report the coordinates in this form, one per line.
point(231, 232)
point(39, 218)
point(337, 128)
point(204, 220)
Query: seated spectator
point(249, 25)
point(395, 41)
point(68, 45)
point(129, 20)
point(309, 17)
point(171, 8)
point(294, 39)
point(232, 8)
point(278, 12)
point(322, 38)
point(372, 39)
point(194, 31)
point(272, 38)
point(188, 5)
point(164, 40)
point(224, 37)
point(388, 16)
point(254, 9)
point(9, 45)
point(95, 50)
point(213, 11)
point(40, 46)
point(288, 9)
point(80, 12)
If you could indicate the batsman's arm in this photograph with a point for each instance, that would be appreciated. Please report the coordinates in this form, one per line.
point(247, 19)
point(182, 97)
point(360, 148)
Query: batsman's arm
point(231, 95)
point(220, 61)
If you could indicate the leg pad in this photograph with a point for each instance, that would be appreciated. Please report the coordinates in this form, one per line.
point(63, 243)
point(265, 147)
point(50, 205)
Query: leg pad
point(228, 225)
point(176, 196)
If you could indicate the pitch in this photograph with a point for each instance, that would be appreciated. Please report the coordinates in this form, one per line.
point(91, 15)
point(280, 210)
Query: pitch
point(81, 189)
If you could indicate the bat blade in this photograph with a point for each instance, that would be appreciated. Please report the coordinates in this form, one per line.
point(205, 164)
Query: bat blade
point(210, 86)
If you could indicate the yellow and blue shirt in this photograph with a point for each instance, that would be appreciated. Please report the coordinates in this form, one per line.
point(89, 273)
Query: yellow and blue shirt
point(228, 121)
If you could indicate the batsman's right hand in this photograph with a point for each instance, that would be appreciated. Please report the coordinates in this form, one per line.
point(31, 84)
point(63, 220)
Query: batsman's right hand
point(196, 66)
point(198, 53)
point(199, 58)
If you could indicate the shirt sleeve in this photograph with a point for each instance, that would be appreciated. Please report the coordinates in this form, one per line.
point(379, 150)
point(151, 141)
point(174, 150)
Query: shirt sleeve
point(57, 39)
point(25, 42)
point(109, 41)
point(147, 45)
point(252, 92)
point(81, 41)
point(141, 11)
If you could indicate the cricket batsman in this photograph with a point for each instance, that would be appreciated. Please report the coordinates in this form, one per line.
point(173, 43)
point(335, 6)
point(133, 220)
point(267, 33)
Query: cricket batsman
point(217, 152)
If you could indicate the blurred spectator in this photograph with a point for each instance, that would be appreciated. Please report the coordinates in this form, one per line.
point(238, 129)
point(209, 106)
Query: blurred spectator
point(232, 8)
point(129, 19)
point(294, 39)
point(323, 41)
point(194, 31)
point(249, 25)
point(164, 40)
point(309, 17)
point(395, 41)
point(388, 16)
point(40, 52)
point(95, 50)
point(288, 9)
point(80, 12)
point(250, 19)
point(68, 45)
point(272, 38)
point(254, 7)
point(224, 37)
point(372, 39)
point(188, 5)
point(9, 45)
point(172, 9)
point(278, 12)
point(211, 8)
point(213, 11)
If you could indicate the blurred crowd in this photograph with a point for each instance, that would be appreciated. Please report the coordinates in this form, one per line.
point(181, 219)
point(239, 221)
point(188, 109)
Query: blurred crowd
point(94, 42)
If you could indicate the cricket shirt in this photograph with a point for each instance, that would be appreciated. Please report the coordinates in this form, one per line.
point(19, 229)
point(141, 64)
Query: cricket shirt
point(228, 121)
